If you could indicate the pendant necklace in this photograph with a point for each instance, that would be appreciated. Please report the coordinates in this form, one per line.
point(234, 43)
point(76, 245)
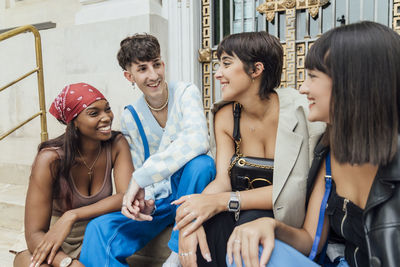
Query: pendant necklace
point(90, 169)
point(162, 106)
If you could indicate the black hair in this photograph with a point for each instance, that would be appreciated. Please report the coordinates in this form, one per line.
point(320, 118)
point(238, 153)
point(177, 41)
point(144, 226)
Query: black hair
point(252, 47)
point(139, 47)
point(363, 61)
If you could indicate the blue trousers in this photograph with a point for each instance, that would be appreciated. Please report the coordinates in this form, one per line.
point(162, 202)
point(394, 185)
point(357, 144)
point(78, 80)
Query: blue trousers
point(284, 255)
point(111, 238)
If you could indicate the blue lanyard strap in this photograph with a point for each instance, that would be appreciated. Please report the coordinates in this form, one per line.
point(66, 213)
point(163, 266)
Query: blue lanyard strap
point(141, 131)
point(328, 187)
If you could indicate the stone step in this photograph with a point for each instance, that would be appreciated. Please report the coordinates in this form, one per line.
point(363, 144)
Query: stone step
point(12, 201)
point(14, 173)
point(10, 240)
point(16, 158)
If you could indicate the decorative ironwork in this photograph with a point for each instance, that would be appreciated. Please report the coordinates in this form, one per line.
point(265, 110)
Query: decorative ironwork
point(396, 16)
point(290, 47)
point(283, 77)
point(205, 56)
point(270, 7)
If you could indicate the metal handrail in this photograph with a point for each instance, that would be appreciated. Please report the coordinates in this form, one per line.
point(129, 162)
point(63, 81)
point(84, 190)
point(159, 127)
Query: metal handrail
point(39, 71)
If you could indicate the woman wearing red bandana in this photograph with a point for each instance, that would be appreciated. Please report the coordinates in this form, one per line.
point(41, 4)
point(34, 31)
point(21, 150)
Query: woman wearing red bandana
point(70, 181)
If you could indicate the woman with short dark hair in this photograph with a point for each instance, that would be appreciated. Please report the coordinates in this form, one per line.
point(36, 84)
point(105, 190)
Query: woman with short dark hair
point(353, 84)
point(262, 128)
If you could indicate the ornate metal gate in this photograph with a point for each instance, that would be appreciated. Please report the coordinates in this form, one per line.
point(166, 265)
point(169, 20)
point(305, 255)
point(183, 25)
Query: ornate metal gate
point(298, 23)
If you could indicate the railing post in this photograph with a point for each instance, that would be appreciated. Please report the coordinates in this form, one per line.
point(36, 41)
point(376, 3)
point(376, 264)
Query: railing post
point(39, 70)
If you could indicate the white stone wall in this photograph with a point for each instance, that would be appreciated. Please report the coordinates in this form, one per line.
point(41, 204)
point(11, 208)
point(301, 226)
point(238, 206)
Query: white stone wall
point(17, 13)
point(72, 53)
point(83, 47)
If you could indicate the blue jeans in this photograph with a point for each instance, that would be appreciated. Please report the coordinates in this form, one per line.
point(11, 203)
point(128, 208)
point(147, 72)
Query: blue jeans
point(111, 238)
point(284, 255)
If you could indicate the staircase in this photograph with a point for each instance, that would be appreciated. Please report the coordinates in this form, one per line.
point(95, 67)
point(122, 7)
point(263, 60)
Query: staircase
point(16, 157)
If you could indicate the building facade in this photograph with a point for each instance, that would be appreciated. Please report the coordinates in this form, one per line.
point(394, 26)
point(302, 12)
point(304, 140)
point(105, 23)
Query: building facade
point(83, 38)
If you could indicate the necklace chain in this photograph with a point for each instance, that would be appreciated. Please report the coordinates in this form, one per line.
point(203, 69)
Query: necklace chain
point(90, 172)
point(163, 105)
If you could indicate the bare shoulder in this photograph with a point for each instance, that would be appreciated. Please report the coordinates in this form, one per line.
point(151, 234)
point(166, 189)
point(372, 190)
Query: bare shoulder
point(224, 118)
point(46, 157)
point(119, 146)
point(119, 142)
point(42, 166)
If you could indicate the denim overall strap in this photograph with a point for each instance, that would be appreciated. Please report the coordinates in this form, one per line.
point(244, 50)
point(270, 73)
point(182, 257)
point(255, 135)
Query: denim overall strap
point(328, 186)
point(141, 131)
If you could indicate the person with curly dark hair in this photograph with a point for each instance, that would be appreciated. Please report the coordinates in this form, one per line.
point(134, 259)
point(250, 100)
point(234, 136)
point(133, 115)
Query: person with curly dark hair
point(167, 132)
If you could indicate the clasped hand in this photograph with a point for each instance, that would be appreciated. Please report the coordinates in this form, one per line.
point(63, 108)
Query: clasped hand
point(245, 240)
point(52, 240)
point(194, 210)
point(188, 247)
point(134, 205)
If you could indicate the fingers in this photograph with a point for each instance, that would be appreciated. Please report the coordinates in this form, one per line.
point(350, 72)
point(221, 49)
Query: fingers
point(196, 223)
point(181, 213)
point(236, 251)
point(268, 247)
point(53, 253)
point(126, 213)
point(41, 254)
point(141, 204)
point(127, 204)
point(144, 217)
point(36, 253)
point(205, 251)
point(150, 202)
point(138, 216)
point(244, 250)
point(188, 259)
point(189, 218)
point(180, 200)
point(253, 248)
point(229, 247)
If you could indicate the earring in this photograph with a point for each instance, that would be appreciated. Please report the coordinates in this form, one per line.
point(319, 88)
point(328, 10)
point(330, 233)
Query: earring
point(134, 85)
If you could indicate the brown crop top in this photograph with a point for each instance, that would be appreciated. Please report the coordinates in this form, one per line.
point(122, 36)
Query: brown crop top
point(79, 200)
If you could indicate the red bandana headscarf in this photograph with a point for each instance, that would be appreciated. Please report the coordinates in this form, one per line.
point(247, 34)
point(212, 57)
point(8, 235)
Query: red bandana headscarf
point(72, 100)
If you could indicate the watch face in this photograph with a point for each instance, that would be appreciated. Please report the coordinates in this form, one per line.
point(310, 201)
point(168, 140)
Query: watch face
point(234, 205)
point(66, 262)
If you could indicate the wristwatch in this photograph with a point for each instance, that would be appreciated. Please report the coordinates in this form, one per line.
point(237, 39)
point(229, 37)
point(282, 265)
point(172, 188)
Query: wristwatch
point(234, 204)
point(66, 262)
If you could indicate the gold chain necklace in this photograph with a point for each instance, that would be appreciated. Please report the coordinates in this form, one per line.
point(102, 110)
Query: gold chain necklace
point(160, 108)
point(90, 172)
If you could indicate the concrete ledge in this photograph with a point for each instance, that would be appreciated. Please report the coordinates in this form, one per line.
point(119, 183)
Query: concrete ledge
point(14, 173)
point(12, 216)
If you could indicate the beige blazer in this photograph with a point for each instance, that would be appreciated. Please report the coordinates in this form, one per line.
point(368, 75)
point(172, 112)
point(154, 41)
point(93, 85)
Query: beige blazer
point(295, 142)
